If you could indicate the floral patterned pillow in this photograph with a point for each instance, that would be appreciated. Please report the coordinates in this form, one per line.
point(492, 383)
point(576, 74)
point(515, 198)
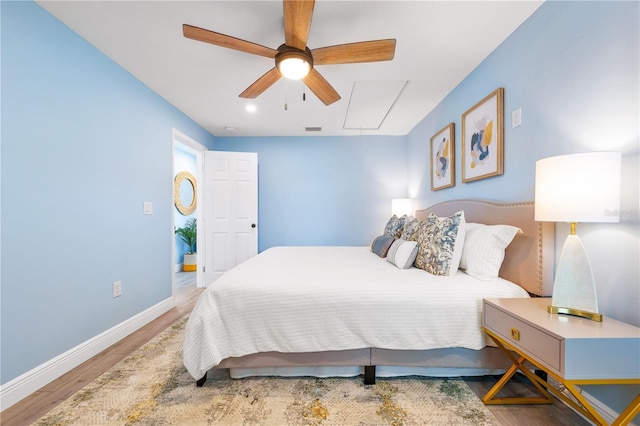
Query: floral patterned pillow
point(410, 229)
point(440, 242)
point(394, 226)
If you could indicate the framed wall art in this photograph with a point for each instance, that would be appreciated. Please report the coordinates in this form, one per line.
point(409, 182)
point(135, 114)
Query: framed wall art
point(482, 134)
point(443, 158)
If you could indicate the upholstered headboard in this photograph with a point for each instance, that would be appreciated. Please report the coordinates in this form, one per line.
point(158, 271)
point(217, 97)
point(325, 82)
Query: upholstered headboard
point(529, 259)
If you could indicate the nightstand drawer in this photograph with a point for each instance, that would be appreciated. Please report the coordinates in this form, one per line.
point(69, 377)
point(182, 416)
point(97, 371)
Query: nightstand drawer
point(544, 347)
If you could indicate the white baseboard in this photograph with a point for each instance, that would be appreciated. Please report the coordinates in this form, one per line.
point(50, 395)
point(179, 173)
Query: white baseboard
point(29, 382)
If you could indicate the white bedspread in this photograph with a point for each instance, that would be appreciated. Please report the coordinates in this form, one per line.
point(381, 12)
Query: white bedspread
point(309, 299)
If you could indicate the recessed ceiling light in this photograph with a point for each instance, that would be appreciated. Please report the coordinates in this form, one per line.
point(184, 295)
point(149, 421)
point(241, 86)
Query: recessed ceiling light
point(230, 129)
point(251, 108)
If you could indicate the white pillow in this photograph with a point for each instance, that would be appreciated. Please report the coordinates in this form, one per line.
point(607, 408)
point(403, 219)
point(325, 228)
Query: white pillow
point(483, 250)
point(402, 253)
point(459, 247)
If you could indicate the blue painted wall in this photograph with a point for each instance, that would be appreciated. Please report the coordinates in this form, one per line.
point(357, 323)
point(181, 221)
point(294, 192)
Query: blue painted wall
point(84, 144)
point(324, 190)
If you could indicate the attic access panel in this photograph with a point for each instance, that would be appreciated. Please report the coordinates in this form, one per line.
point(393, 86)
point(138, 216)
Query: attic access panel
point(371, 102)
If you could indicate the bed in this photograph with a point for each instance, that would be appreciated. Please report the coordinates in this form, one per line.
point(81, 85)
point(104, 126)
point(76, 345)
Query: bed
point(345, 311)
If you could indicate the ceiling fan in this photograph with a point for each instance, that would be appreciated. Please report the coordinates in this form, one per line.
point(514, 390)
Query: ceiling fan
point(294, 59)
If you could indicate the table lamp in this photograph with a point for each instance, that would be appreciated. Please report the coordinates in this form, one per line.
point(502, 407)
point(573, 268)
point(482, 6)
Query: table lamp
point(401, 206)
point(577, 188)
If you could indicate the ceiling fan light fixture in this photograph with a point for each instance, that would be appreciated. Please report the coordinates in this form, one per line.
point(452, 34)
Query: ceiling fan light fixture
point(294, 64)
point(294, 68)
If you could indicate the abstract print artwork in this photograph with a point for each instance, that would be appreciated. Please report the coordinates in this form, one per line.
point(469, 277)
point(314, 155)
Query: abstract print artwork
point(443, 159)
point(482, 148)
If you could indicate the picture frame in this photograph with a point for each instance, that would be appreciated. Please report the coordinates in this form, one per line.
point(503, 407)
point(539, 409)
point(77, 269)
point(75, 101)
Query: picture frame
point(482, 138)
point(442, 157)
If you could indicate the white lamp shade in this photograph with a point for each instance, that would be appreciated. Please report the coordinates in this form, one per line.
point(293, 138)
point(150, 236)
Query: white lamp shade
point(578, 188)
point(401, 206)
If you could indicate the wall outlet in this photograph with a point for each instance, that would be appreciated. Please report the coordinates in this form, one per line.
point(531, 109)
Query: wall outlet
point(117, 289)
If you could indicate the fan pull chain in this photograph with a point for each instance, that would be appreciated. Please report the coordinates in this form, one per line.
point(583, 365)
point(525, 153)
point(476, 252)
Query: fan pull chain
point(304, 93)
point(286, 87)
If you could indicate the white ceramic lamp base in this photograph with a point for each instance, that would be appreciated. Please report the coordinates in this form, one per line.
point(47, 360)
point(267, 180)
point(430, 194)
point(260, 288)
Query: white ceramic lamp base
point(574, 289)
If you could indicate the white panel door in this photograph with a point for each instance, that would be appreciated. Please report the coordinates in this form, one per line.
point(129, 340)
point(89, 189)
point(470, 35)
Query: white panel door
point(231, 210)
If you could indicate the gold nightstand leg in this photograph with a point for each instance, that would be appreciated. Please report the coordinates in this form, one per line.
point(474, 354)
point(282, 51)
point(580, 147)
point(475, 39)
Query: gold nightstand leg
point(583, 405)
point(490, 397)
point(632, 410)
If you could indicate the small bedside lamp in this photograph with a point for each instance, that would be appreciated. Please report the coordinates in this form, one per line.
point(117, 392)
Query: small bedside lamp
point(577, 188)
point(401, 206)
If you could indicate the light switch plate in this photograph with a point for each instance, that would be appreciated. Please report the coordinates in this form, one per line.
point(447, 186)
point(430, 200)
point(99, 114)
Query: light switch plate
point(516, 118)
point(148, 207)
point(117, 289)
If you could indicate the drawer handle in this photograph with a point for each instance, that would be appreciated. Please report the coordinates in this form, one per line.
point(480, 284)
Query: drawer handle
point(515, 334)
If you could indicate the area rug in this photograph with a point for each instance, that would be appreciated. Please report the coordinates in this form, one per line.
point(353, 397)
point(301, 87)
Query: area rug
point(152, 387)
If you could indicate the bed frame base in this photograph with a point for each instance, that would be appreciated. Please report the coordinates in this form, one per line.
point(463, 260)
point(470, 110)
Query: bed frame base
point(369, 376)
point(489, 358)
point(201, 380)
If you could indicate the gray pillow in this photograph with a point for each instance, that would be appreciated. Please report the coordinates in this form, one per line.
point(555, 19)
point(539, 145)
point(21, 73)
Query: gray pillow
point(381, 244)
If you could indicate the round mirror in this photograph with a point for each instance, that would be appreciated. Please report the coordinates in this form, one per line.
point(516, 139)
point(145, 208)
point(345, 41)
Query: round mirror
point(184, 193)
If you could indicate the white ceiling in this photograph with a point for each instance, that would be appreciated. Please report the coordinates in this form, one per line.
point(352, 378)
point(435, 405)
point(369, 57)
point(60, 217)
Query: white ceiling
point(438, 44)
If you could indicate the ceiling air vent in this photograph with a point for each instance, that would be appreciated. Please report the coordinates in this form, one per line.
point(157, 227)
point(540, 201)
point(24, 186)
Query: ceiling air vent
point(313, 129)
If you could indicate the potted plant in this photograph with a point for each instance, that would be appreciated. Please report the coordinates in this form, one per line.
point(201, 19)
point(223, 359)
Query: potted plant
point(188, 234)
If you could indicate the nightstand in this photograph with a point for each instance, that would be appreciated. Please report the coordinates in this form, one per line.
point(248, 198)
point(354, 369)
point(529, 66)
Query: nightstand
point(574, 351)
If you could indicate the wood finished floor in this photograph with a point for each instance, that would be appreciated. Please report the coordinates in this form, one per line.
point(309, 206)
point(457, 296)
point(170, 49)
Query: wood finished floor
point(42, 401)
point(39, 403)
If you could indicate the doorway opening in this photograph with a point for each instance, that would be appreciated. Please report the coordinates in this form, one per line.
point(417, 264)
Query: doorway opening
point(187, 159)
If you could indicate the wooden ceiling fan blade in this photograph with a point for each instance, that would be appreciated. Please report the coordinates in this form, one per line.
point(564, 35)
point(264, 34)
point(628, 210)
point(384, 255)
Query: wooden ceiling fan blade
point(321, 87)
point(261, 84)
point(229, 42)
point(351, 53)
point(297, 22)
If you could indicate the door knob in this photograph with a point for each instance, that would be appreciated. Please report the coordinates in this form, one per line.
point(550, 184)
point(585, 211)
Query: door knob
point(253, 225)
